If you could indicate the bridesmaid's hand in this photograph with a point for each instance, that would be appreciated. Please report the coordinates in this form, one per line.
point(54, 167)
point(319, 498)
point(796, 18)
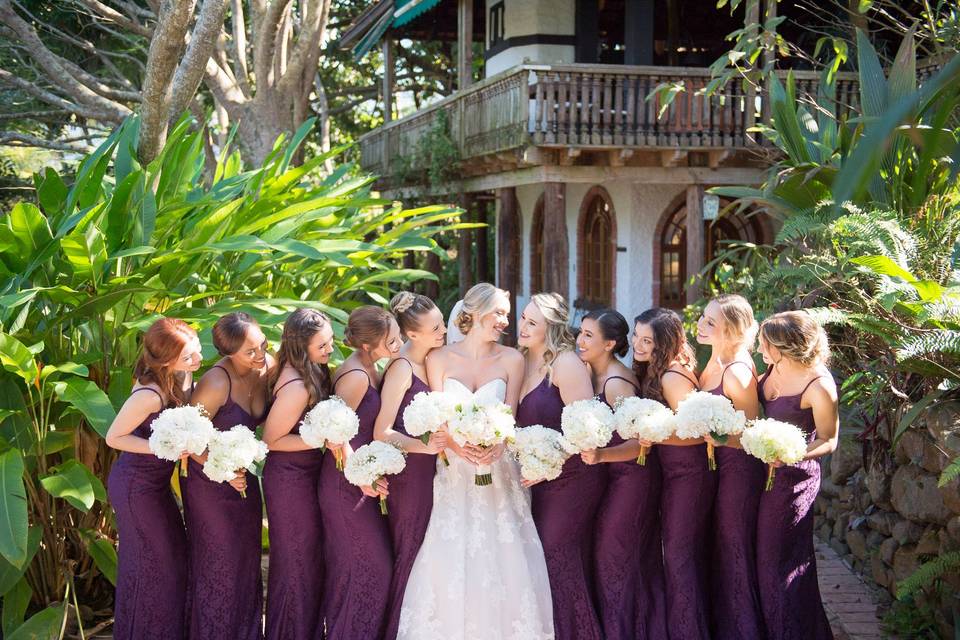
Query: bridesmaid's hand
point(530, 483)
point(333, 447)
point(438, 442)
point(239, 481)
point(709, 440)
point(378, 489)
point(591, 457)
point(645, 443)
point(776, 464)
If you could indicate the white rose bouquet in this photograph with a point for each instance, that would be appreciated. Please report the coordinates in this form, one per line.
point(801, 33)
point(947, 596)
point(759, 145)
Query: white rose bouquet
point(180, 429)
point(541, 452)
point(774, 441)
point(427, 413)
point(587, 424)
point(702, 413)
point(644, 419)
point(482, 424)
point(371, 462)
point(330, 420)
point(231, 451)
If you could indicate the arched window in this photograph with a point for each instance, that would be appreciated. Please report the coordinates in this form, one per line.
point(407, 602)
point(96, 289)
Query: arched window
point(672, 267)
point(597, 249)
point(537, 263)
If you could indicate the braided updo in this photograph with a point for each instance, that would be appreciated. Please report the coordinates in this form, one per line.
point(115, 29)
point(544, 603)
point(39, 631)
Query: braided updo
point(797, 336)
point(408, 308)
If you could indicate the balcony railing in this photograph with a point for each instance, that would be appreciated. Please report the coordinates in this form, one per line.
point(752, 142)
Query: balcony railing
point(582, 106)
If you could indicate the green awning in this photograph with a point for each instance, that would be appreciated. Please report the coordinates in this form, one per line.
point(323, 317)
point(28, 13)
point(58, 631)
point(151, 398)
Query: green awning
point(368, 29)
point(372, 37)
point(407, 10)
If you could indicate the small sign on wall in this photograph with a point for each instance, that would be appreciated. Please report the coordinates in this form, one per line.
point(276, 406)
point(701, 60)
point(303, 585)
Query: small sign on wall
point(711, 206)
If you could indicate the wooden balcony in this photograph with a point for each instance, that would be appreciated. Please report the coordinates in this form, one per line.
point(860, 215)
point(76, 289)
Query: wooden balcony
point(530, 114)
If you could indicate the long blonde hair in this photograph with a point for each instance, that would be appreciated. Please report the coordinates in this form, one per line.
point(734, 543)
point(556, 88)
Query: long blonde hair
point(480, 300)
point(559, 336)
point(739, 324)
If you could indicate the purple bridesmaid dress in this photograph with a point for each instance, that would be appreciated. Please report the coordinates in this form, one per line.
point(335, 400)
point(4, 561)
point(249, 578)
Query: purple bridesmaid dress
point(295, 576)
point(152, 552)
point(564, 511)
point(356, 543)
point(628, 553)
point(686, 503)
point(411, 501)
point(735, 603)
point(223, 537)
point(786, 563)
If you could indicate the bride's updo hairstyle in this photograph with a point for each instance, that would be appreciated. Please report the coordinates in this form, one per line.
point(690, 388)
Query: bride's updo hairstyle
point(480, 300)
point(367, 327)
point(797, 336)
point(740, 327)
point(408, 308)
point(559, 336)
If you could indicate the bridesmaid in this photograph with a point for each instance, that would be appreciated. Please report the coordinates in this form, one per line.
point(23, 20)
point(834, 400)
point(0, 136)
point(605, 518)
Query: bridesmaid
point(223, 528)
point(728, 327)
point(564, 509)
point(799, 389)
point(627, 550)
point(664, 364)
point(152, 554)
point(290, 479)
point(357, 540)
point(412, 491)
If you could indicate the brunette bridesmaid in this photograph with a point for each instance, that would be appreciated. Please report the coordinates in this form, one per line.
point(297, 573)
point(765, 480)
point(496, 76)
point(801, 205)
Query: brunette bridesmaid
point(798, 389)
point(627, 549)
point(728, 327)
point(152, 552)
point(357, 540)
point(290, 480)
point(223, 527)
point(412, 490)
point(664, 364)
point(564, 509)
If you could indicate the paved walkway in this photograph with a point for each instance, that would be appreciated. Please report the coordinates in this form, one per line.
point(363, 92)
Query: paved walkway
point(851, 605)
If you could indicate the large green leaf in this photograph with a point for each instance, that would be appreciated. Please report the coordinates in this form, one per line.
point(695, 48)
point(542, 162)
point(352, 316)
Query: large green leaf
point(10, 574)
point(873, 83)
point(86, 252)
point(24, 236)
point(41, 626)
point(15, 603)
point(76, 484)
point(16, 357)
point(13, 508)
point(87, 398)
point(104, 554)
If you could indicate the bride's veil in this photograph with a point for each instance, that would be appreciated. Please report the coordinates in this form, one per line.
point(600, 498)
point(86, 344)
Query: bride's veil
point(453, 332)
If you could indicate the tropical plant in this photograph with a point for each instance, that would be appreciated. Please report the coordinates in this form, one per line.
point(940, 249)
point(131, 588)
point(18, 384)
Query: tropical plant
point(87, 266)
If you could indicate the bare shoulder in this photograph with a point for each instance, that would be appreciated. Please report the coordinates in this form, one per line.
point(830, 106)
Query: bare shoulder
point(823, 388)
point(215, 379)
point(509, 355)
point(146, 401)
point(569, 359)
point(398, 369)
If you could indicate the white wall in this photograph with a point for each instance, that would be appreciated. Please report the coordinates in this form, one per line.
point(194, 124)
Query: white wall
point(532, 17)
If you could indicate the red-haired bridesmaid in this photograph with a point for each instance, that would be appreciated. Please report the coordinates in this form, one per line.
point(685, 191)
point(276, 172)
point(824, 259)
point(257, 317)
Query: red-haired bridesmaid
point(290, 479)
point(627, 550)
point(798, 389)
point(664, 365)
point(411, 491)
point(357, 540)
point(728, 327)
point(152, 552)
point(223, 527)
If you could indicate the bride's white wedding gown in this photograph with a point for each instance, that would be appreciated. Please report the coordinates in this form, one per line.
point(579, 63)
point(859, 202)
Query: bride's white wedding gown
point(480, 573)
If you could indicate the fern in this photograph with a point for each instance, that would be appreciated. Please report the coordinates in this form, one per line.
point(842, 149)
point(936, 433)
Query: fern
point(937, 342)
point(952, 471)
point(927, 574)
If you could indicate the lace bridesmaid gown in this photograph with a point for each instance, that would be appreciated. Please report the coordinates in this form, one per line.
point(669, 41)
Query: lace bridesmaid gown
point(628, 551)
point(411, 501)
point(152, 553)
point(223, 538)
point(735, 602)
point(356, 543)
point(565, 511)
point(786, 562)
point(295, 577)
point(480, 572)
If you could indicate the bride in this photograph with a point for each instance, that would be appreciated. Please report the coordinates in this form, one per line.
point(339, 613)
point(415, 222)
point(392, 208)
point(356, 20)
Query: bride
point(480, 572)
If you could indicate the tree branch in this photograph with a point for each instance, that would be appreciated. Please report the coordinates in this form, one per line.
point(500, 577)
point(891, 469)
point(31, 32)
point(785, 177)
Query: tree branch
point(118, 18)
point(240, 47)
point(17, 139)
point(266, 33)
point(53, 99)
point(306, 50)
point(191, 68)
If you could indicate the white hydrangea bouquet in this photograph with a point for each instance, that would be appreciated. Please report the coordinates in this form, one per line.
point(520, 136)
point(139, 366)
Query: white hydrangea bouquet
point(541, 452)
point(427, 413)
point(645, 419)
point(330, 420)
point(231, 451)
point(371, 462)
point(482, 423)
point(702, 413)
point(587, 424)
point(180, 429)
point(774, 441)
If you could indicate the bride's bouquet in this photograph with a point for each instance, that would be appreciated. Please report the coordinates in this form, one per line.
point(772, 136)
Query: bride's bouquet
point(232, 451)
point(702, 413)
point(178, 430)
point(482, 424)
point(774, 441)
point(587, 424)
point(541, 452)
point(371, 462)
point(330, 420)
point(427, 413)
point(644, 419)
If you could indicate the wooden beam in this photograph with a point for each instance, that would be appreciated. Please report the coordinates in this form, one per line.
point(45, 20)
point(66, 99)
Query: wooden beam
point(481, 215)
point(672, 157)
point(464, 44)
point(716, 158)
point(695, 242)
point(556, 249)
point(508, 253)
point(387, 80)
point(464, 252)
